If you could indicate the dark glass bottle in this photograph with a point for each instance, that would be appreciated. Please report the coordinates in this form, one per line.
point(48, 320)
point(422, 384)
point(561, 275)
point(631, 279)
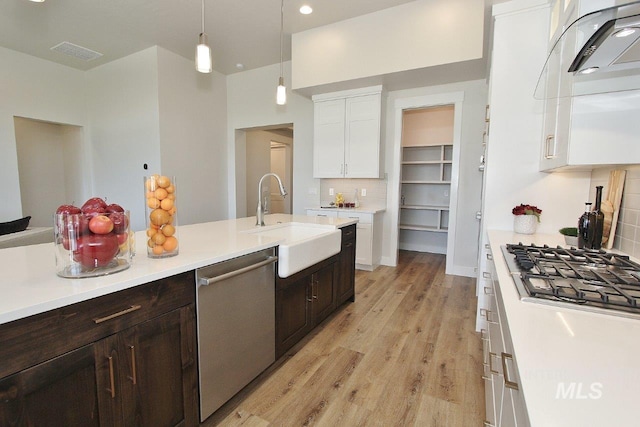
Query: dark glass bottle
point(583, 226)
point(596, 225)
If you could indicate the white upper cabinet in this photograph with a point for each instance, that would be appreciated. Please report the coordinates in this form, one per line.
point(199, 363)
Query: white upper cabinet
point(346, 137)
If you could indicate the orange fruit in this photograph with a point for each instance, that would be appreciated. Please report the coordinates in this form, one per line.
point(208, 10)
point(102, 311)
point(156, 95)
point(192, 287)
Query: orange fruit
point(149, 194)
point(160, 193)
point(170, 189)
point(158, 238)
point(171, 196)
point(173, 210)
point(159, 217)
point(163, 181)
point(170, 244)
point(166, 204)
point(150, 243)
point(157, 250)
point(168, 230)
point(151, 183)
point(151, 232)
point(153, 203)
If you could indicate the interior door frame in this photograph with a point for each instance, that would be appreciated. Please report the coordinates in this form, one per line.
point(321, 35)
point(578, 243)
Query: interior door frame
point(451, 98)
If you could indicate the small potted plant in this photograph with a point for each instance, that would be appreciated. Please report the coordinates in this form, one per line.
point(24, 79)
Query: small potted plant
point(525, 218)
point(570, 235)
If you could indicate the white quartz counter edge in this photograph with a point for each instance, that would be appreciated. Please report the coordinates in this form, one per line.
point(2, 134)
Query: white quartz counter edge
point(29, 284)
point(367, 210)
point(576, 368)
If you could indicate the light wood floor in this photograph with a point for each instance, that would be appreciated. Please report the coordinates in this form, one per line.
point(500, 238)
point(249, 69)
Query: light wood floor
point(404, 354)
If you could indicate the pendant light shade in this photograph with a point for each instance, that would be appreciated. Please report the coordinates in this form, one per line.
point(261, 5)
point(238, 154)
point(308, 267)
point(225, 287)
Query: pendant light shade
point(204, 63)
point(281, 92)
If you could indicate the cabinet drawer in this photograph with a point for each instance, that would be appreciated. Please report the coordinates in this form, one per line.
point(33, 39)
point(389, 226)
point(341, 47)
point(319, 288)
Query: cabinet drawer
point(348, 234)
point(323, 212)
point(363, 218)
point(35, 339)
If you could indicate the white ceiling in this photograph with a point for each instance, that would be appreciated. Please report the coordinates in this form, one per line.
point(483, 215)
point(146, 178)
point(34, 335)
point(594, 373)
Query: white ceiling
point(240, 31)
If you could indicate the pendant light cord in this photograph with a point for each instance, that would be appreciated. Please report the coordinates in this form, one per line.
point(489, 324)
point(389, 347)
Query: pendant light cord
point(281, 32)
point(203, 16)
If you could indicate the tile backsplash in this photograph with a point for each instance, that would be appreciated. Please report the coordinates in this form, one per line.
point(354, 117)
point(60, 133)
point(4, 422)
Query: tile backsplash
point(627, 237)
point(376, 191)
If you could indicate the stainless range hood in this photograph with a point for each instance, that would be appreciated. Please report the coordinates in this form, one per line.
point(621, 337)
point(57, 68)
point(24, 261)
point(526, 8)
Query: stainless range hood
point(597, 53)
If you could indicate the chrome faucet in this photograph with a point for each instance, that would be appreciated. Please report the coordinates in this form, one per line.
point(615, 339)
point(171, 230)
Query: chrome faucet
point(260, 210)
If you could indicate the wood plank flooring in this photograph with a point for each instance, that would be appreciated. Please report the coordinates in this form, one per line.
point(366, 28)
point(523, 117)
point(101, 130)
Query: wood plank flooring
point(404, 354)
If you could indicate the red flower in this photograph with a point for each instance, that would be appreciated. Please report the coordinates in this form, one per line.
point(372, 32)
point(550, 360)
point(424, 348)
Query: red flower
point(527, 210)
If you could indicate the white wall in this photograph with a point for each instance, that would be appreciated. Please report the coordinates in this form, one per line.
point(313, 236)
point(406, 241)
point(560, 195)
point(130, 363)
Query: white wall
point(258, 163)
point(193, 143)
point(520, 47)
point(26, 90)
point(469, 181)
point(413, 35)
point(251, 102)
point(124, 119)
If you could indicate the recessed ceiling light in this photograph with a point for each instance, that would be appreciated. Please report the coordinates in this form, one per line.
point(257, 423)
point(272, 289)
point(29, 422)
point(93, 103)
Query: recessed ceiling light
point(306, 9)
point(240, 66)
point(589, 70)
point(37, 1)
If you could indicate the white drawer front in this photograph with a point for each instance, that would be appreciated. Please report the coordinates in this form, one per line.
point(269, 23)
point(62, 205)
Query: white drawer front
point(322, 212)
point(363, 218)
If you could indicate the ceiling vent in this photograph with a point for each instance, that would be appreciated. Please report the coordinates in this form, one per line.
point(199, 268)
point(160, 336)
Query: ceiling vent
point(76, 51)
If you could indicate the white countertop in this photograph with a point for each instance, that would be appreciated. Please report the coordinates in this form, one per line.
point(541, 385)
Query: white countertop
point(596, 354)
point(367, 209)
point(29, 284)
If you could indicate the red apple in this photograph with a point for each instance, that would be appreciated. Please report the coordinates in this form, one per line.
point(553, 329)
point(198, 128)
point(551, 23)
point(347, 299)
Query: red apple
point(68, 209)
point(94, 205)
point(122, 237)
point(101, 224)
point(71, 226)
point(114, 207)
point(120, 222)
point(96, 250)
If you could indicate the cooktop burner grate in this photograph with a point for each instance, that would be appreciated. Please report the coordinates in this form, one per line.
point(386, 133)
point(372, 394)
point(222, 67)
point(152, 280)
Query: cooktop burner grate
point(580, 276)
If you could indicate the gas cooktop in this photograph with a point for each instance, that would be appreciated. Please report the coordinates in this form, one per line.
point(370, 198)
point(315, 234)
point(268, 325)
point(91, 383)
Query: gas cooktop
point(585, 279)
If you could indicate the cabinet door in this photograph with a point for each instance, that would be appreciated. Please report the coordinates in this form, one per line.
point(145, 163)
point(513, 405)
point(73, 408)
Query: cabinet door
point(345, 269)
point(362, 139)
point(323, 295)
point(157, 373)
point(65, 391)
point(293, 314)
point(364, 247)
point(328, 138)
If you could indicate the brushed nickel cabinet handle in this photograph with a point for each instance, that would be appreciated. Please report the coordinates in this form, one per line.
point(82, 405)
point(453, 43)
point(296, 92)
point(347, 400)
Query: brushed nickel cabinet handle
point(118, 314)
point(488, 290)
point(490, 257)
point(486, 275)
point(491, 356)
point(133, 365)
point(486, 423)
point(507, 382)
point(483, 334)
point(205, 281)
point(112, 381)
point(348, 245)
point(548, 152)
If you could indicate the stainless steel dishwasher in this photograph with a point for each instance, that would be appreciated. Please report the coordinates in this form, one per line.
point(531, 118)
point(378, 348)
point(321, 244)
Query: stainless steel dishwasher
point(236, 325)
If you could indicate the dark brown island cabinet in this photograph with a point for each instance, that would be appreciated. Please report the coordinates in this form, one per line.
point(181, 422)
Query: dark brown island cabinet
point(129, 358)
point(123, 359)
point(306, 298)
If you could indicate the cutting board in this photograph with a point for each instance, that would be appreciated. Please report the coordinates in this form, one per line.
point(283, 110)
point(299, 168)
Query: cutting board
point(611, 206)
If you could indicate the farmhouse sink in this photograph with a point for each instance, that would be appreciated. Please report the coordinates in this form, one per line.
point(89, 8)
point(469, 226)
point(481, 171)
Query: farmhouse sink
point(304, 244)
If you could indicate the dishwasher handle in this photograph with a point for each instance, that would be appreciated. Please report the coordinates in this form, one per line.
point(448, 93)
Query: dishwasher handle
point(205, 281)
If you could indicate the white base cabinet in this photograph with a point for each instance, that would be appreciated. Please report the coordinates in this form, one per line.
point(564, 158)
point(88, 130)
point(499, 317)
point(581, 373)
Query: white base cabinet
point(505, 405)
point(368, 235)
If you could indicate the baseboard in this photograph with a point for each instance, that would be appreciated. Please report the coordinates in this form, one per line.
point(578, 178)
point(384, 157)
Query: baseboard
point(459, 270)
point(423, 248)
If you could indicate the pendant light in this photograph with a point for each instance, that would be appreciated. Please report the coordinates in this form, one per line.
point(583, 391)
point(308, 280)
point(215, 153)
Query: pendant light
point(281, 93)
point(203, 51)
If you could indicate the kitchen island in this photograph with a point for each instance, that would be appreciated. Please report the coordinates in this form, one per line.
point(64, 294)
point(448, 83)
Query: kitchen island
point(119, 349)
point(574, 368)
point(30, 286)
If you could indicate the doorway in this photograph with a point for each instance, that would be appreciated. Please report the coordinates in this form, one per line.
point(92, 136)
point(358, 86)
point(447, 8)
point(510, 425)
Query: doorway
point(50, 167)
point(260, 151)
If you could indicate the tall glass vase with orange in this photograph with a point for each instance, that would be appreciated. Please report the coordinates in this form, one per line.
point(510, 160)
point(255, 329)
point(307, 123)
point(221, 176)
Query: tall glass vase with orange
point(161, 216)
